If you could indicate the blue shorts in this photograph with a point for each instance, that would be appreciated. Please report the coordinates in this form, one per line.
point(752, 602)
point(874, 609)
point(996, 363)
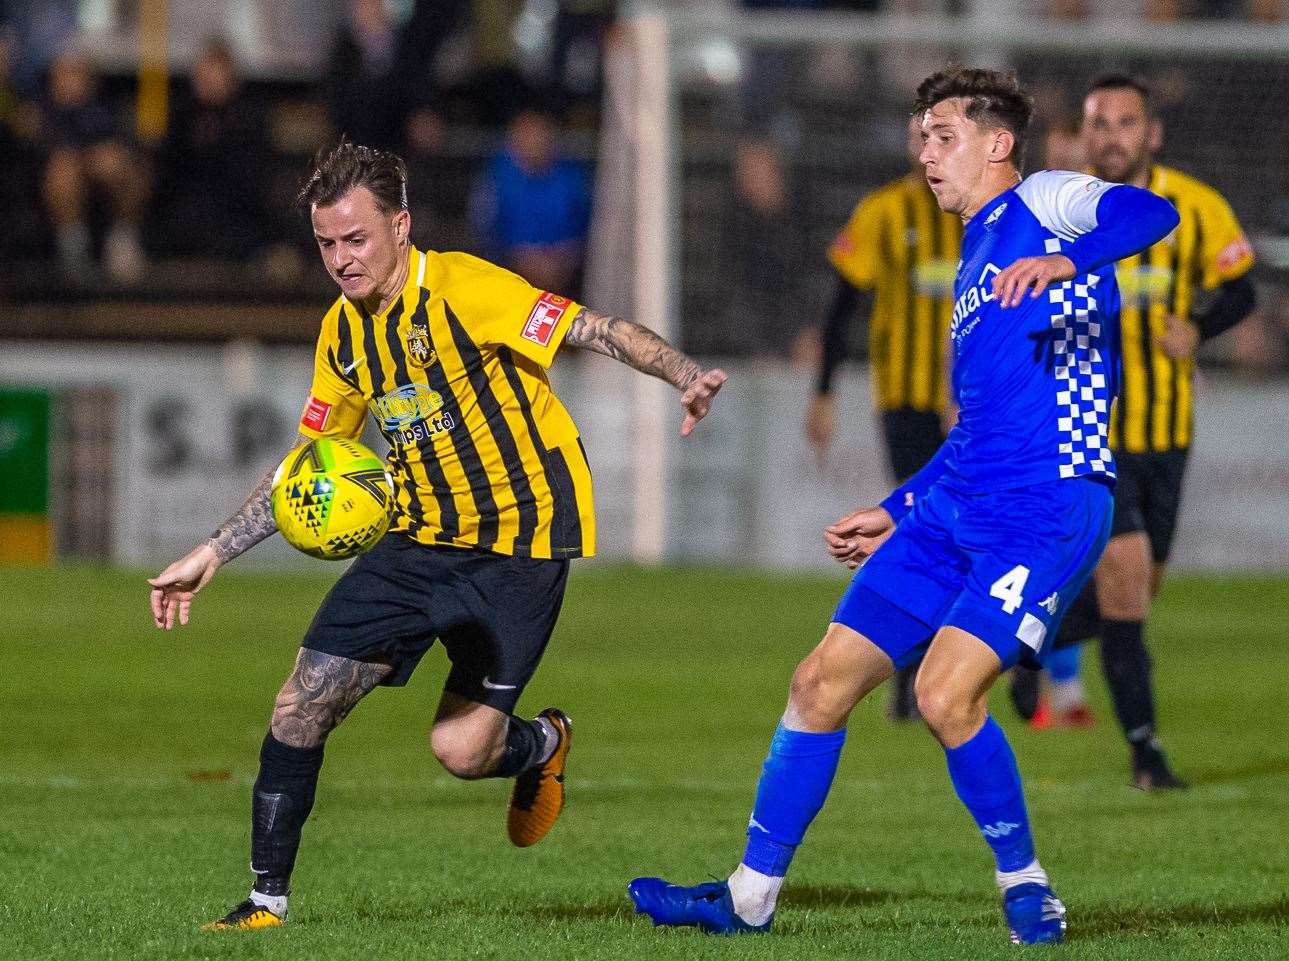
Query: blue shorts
point(1001, 565)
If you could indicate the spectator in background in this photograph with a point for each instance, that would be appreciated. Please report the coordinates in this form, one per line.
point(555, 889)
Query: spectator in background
point(19, 159)
point(1063, 146)
point(360, 85)
point(88, 150)
point(531, 208)
point(496, 82)
point(576, 63)
point(40, 29)
point(440, 208)
point(764, 249)
point(214, 165)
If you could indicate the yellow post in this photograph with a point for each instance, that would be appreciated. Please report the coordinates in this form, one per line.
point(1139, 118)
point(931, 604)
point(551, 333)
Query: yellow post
point(152, 104)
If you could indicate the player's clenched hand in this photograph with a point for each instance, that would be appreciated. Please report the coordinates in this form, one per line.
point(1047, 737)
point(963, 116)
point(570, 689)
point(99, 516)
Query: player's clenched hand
point(1039, 273)
point(173, 588)
point(821, 424)
point(853, 538)
point(697, 398)
point(1179, 339)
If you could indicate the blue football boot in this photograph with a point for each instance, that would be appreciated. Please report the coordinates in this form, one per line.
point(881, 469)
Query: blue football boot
point(1034, 914)
point(705, 906)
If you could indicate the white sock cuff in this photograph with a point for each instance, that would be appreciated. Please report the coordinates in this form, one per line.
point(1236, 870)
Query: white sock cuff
point(1032, 873)
point(275, 903)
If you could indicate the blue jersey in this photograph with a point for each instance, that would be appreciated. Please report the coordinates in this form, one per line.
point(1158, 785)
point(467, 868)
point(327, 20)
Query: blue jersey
point(991, 539)
point(1034, 383)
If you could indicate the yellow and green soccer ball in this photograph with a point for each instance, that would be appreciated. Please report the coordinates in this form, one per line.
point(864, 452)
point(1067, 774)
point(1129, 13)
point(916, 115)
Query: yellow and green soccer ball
point(332, 498)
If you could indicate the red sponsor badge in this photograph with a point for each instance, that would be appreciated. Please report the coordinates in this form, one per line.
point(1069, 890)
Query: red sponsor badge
point(544, 318)
point(1233, 253)
point(316, 414)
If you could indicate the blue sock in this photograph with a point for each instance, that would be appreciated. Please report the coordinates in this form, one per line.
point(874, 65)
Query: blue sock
point(1064, 663)
point(985, 775)
point(794, 782)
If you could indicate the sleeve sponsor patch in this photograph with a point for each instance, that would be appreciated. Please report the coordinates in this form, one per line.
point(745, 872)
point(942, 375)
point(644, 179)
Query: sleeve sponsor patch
point(316, 414)
point(1233, 253)
point(545, 317)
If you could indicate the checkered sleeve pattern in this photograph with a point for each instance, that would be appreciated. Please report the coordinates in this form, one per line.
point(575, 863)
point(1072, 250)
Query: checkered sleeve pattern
point(1083, 392)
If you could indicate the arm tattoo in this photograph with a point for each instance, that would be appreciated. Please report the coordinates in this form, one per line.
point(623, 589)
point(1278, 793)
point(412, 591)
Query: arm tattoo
point(319, 694)
point(248, 526)
point(632, 344)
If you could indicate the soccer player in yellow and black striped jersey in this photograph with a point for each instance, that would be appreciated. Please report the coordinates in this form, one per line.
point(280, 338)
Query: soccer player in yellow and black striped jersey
point(1207, 258)
point(902, 247)
point(448, 354)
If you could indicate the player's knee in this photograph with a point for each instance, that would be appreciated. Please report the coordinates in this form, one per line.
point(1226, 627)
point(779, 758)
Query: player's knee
point(461, 757)
point(813, 696)
point(1124, 579)
point(299, 728)
point(951, 716)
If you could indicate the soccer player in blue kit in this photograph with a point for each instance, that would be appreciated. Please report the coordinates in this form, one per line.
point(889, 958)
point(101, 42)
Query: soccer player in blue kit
point(982, 550)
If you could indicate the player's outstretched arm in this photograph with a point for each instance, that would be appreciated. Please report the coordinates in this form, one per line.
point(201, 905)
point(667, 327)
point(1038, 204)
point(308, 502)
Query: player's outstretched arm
point(650, 354)
point(173, 589)
point(1107, 221)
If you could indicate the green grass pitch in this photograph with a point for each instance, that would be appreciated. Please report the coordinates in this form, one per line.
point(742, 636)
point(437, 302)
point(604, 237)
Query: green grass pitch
point(127, 754)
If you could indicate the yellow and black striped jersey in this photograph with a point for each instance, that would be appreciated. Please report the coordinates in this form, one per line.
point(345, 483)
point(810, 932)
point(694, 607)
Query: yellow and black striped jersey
point(1155, 410)
point(902, 246)
point(482, 453)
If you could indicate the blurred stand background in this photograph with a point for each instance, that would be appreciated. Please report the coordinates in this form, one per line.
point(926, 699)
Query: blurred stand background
point(684, 164)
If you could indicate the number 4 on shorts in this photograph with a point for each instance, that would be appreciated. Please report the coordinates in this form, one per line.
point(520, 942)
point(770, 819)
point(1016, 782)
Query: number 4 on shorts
point(1008, 588)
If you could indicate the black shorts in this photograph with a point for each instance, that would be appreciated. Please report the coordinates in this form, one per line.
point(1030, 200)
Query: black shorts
point(912, 438)
point(494, 615)
point(1148, 497)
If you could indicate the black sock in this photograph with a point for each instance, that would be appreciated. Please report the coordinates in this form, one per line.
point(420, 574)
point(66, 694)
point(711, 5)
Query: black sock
point(1083, 619)
point(1126, 663)
point(524, 743)
point(280, 804)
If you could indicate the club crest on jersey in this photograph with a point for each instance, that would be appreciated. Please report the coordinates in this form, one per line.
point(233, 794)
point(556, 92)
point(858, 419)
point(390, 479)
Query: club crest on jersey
point(419, 352)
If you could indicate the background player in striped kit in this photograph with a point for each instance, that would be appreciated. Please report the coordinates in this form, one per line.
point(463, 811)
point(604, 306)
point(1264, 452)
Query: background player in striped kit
point(900, 246)
point(1164, 318)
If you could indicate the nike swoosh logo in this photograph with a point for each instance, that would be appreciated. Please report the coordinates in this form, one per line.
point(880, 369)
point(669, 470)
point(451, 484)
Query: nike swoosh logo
point(350, 369)
point(498, 687)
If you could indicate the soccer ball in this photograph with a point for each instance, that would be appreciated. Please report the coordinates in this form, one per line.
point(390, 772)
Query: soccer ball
point(332, 498)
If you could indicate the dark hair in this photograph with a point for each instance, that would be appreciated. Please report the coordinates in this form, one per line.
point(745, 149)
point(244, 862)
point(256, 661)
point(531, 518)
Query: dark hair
point(1122, 81)
point(993, 98)
point(348, 165)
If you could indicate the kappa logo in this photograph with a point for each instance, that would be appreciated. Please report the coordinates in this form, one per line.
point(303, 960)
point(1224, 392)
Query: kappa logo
point(999, 830)
point(544, 318)
point(1051, 602)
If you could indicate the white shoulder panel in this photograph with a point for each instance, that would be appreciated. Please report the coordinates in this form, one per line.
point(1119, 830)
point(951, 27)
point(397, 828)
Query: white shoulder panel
point(1063, 201)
